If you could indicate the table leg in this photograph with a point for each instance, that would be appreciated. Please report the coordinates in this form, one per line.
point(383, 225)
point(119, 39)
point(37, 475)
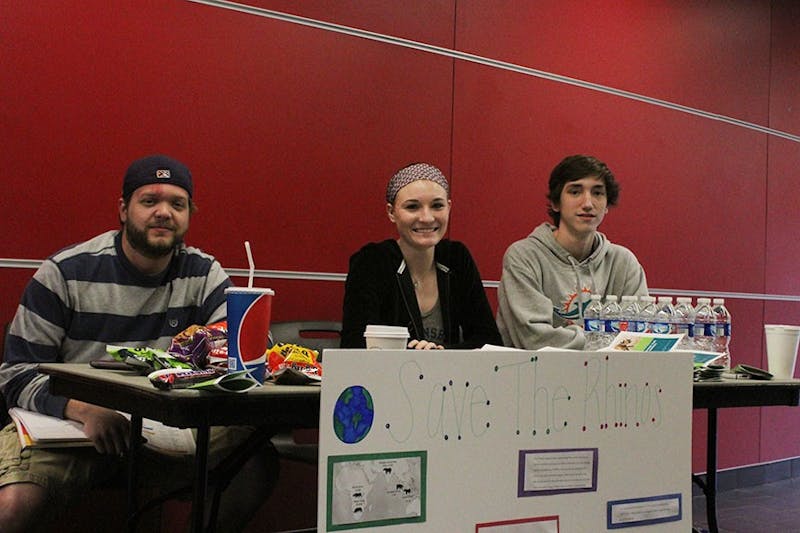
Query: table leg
point(711, 471)
point(200, 478)
point(134, 446)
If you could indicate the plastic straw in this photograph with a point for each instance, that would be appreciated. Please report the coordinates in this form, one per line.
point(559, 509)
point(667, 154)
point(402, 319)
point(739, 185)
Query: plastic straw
point(251, 263)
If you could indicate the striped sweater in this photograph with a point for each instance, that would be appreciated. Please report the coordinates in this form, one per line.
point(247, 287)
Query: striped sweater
point(89, 295)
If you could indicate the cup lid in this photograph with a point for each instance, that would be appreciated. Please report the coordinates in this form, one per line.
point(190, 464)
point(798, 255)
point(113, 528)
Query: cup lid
point(250, 290)
point(374, 330)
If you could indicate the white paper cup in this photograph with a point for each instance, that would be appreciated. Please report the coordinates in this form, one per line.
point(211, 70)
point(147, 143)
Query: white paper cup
point(386, 337)
point(782, 342)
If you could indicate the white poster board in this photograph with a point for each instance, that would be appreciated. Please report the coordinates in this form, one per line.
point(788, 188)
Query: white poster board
point(505, 441)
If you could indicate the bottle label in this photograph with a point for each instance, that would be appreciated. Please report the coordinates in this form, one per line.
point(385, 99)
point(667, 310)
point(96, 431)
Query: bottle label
point(661, 327)
point(705, 330)
point(723, 330)
point(612, 326)
point(632, 325)
point(592, 324)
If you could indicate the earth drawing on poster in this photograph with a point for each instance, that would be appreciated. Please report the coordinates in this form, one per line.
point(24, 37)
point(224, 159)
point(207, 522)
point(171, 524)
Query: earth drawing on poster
point(353, 414)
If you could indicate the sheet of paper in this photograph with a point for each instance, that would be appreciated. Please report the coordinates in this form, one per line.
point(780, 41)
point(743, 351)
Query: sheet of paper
point(167, 439)
point(644, 511)
point(557, 471)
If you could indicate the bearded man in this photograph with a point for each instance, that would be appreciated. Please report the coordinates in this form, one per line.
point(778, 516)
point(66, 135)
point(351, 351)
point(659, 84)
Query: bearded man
point(137, 286)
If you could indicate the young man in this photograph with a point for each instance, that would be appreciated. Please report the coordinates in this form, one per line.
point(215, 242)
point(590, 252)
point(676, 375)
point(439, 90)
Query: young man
point(548, 277)
point(137, 286)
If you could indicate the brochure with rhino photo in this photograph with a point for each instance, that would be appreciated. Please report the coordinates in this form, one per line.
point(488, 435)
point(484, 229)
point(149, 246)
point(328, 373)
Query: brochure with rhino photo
point(629, 341)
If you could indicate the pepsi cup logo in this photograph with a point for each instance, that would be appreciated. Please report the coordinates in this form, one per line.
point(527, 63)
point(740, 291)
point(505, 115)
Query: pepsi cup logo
point(253, 330)
point(248, 327)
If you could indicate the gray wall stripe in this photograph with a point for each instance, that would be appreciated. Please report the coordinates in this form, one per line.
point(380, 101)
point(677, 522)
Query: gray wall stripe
point(492, 284)
point(494, 63)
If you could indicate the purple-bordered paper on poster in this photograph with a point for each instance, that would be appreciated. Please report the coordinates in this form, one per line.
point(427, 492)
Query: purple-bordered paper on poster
point(560, 471)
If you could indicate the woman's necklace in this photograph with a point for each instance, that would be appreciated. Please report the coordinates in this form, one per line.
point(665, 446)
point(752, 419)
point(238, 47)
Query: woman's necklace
point(418, 282)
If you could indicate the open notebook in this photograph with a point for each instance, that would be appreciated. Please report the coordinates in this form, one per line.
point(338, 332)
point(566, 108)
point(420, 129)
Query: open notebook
point(37, 430)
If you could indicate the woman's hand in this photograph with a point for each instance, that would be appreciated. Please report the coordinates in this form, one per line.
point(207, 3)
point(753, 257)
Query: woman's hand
point(424, 345)
point(106, 428)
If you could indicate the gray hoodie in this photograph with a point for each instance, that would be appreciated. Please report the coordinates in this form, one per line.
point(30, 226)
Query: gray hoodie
point(544, 290)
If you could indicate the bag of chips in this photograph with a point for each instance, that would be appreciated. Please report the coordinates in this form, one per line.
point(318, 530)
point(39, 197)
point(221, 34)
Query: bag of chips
point(284, 356)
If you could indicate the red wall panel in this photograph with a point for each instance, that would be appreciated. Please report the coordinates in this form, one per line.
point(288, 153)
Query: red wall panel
point(291, 132)
point(780, 429)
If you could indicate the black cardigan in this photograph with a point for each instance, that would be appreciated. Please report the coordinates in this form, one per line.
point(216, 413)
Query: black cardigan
point(379, 291)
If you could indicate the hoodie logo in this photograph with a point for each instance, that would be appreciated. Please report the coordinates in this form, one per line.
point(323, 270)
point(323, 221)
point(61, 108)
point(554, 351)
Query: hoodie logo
point(571, 310)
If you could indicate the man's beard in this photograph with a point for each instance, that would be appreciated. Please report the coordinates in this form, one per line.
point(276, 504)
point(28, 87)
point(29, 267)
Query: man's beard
point(138, 240)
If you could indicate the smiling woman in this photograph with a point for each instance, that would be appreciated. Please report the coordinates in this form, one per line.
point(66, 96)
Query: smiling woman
point(420, 280)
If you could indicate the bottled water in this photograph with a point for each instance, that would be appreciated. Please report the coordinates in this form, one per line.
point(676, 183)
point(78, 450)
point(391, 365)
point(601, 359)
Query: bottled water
point(684, 318)
point(722, 321)
point(647, 313)
point(704, 325)
point(629, 315)
point(611, 315)
point(664, 321)
point(593, 326)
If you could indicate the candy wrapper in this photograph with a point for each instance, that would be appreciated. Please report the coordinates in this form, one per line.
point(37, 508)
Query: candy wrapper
point(293, 363)
point(145, 360)
point(209, 379)
point(196, 343)
point(181, 379)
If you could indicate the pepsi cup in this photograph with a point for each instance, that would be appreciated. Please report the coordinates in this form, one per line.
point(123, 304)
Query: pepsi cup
point(249, 312)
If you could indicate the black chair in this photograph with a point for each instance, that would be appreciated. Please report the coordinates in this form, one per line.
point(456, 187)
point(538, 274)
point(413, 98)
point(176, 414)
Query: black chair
point(315, 334)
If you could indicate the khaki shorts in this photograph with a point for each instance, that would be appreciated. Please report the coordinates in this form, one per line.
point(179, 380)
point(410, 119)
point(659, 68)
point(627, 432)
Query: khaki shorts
point(67, 473)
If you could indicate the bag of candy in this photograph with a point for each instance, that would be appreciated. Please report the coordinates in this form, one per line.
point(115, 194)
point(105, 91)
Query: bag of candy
point(195, 343)
point(288, 362)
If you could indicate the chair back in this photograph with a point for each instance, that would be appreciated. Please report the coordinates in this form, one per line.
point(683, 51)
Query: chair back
point(315, 334)
point(318, 335)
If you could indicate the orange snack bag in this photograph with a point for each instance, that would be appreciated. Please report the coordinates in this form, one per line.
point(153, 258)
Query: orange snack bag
point(284, 355)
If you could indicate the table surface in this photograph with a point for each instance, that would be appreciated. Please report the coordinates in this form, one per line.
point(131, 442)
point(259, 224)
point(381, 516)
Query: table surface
point(127, 391)
point(745, 393)
point(298, 405)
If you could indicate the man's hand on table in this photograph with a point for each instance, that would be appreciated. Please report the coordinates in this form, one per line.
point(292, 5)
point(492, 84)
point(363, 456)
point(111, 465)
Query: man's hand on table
point(106, 428)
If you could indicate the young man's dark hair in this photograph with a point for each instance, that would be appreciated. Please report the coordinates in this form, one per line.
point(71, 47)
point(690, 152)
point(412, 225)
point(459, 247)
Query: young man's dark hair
point(574, 168)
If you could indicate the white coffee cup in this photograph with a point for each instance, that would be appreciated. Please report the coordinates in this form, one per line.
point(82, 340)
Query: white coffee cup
point(782, 342)
point(386, 337)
